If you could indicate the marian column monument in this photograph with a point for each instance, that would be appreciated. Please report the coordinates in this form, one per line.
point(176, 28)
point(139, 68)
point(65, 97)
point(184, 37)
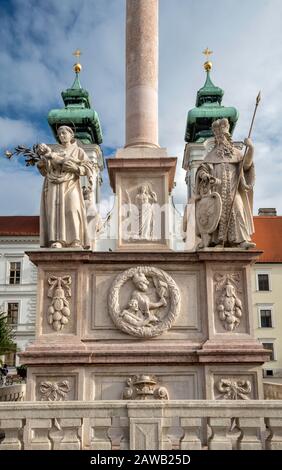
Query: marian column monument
point(142, 322)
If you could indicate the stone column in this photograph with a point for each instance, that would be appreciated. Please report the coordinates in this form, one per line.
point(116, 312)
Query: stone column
point(141, 73)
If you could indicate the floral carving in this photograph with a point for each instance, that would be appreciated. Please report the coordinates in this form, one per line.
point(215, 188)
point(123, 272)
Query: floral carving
point(231, 389)
point(144, 387)
point(153, 304)
point(54, 391)
point(59, 311)
point(228, 304)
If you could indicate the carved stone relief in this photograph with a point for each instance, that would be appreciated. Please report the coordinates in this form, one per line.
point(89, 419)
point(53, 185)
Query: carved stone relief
point(228, 303)
point(144, 387)
point(153, 305)
point(141, 213)
point(231, 389)
point(59, 311)
point(54, 391)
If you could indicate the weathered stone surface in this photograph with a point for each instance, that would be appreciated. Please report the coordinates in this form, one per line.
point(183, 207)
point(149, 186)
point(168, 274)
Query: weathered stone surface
point(141, 425)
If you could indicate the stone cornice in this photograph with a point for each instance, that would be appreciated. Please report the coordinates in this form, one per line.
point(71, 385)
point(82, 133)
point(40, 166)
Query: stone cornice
point(133, 257)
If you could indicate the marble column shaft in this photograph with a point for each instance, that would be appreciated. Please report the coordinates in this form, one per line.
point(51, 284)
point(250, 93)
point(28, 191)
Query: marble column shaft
point(142, 73)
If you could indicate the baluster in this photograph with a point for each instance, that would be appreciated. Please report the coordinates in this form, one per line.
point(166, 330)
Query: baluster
point(250, 438)
point(219, 429)
point(274, 440)
point(192, 436)
point(175, 433)
point(98, 428)
point(12, 439)
point(71, 428)
point(115, 433)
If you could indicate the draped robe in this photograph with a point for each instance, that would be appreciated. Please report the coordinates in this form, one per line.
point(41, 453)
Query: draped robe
point(226, 170)
point(62, 213)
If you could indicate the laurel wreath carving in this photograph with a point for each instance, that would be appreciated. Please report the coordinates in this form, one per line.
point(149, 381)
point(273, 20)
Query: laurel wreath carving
point(144, 331)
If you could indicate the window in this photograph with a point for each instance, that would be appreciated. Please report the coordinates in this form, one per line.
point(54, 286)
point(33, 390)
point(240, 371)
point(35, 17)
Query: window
point(263, 282)
point(271, 347)
point(265, 318)
point(269, 373)
point(15, 272)
point(13, 313)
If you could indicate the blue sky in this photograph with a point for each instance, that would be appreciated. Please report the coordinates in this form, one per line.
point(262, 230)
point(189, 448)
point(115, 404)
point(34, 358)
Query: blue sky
point(37, 38)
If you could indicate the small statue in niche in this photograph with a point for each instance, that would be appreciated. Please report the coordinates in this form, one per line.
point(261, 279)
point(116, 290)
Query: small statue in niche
point(144, 200)
point(224, 192)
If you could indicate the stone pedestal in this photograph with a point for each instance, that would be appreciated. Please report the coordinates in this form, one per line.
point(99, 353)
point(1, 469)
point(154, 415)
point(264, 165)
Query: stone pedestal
point(132, 169)
point(198, 343)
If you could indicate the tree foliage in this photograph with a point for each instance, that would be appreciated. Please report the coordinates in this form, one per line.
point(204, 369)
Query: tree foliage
point(7, 334)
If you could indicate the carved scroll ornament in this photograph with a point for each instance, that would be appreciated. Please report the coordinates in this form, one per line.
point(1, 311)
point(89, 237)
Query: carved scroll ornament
point(231, 389)
point(54, 391)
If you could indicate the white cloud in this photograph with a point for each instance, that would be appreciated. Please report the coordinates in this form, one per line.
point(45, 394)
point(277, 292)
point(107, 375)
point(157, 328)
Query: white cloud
point(19, 190)
point(13, 132)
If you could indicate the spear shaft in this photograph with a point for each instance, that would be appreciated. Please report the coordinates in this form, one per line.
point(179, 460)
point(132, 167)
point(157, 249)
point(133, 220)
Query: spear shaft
point(258, 98)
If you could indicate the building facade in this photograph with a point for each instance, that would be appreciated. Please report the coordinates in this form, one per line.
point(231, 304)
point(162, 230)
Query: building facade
point(267, 284)
point(18, 278)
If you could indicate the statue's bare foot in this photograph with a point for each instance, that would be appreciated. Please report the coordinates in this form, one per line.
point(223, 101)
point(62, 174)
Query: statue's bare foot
point(56, 245)
point(246, 245)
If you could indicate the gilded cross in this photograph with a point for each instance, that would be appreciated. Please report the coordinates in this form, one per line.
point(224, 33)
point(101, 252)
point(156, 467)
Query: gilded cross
point(77, 53)
point(207, 52)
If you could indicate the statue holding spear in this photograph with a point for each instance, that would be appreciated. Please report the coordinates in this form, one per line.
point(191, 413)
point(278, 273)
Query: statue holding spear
point(224, 191)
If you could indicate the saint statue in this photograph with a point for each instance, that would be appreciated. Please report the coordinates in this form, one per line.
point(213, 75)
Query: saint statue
point(63, 220)
point(145, 198)
point(224, 193)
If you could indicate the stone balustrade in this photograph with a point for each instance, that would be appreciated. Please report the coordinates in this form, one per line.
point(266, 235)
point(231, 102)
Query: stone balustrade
point(13, 392)
point(272, 391)
point(105, 425)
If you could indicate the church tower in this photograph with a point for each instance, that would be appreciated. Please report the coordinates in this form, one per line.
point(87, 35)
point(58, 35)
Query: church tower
point(198, 133)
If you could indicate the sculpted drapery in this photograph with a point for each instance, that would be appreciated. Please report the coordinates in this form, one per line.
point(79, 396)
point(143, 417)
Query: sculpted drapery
point(63, 216)
point(216, 185)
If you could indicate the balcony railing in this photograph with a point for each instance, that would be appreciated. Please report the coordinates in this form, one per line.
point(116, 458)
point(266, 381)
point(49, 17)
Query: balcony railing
point(142, 425)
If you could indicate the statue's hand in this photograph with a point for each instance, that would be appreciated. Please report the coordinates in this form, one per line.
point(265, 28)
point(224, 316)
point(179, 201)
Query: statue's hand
point(243, 185)
point(70, 166)
point(43, 149)
point(248, 142)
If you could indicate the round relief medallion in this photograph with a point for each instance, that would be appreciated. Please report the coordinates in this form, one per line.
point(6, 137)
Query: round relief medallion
point(144, 301)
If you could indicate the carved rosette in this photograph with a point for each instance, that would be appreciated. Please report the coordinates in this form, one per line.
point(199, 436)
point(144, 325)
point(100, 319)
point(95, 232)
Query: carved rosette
point(59, 309)
point(144, 387)
point(153, 305)
point(54, 391)
point(228, 303)
point(231, 389)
